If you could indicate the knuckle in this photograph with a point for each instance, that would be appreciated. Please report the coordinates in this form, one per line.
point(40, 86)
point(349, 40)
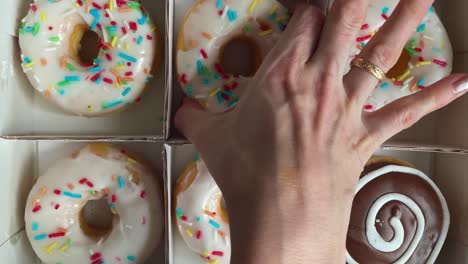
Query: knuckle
point(329, 100)
point(284, 74)
point(311, 15)
point(408, 116)
point(305, 19)
point(326, 79)
point(383, 55)
point(291, 77)
point(349, 15)
point(437, 102)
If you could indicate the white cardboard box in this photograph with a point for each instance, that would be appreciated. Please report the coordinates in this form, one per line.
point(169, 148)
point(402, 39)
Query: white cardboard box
point(29, 117)
point(427, 144)
point(22, 162)
point(25, 113)
point(448, 171)
point(443, 130)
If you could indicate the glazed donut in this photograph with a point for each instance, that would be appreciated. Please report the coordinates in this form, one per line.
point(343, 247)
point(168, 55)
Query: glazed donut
point(426, 59)
point(94, 80)
point(56, 218)
point(208, 29)
point(201, 215)
point(398, 215)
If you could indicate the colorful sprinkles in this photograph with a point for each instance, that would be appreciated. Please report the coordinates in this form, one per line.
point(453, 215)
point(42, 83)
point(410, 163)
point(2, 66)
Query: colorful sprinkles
point(58, 240)
point(198, 220)
point(125, 40)
point(427, 52)
point(203, 76)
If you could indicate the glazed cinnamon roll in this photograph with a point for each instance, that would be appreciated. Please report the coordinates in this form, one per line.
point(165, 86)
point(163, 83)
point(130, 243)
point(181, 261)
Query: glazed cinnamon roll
point(398, 215)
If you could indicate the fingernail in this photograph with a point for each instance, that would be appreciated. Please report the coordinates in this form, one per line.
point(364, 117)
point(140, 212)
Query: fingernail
point(461, 85)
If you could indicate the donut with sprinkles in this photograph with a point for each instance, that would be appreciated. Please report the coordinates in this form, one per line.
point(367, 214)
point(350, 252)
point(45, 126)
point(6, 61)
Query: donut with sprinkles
point(201, 215)
point(120, 57)
point(426, 59)
point(62, 230)
point(207, 28)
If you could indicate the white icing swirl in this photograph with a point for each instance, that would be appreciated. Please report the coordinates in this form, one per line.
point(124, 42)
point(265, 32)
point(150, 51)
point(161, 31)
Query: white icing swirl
point(377, 242)
point(374, 238)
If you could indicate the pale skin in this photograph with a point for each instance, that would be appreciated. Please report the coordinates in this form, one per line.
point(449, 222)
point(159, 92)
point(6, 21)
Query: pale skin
point(288, 157)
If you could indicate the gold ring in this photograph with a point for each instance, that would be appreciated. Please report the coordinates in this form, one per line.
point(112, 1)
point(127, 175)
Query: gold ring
point(369, 67)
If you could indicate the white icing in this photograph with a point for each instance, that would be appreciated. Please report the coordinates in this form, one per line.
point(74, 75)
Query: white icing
point(377, 242)
point(436, 47)
point(137, 230)
point(209, 87)
point(203, 194)
point(84, 95)
point(375, 239)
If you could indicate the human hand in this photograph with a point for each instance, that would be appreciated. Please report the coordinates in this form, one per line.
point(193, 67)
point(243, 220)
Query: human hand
point(287, 158)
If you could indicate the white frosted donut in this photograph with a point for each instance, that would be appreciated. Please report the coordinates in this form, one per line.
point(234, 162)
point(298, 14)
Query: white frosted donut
point(50, 36)
point(54, 210)
point(427, 57)
point(200, 214)
point(207, 28)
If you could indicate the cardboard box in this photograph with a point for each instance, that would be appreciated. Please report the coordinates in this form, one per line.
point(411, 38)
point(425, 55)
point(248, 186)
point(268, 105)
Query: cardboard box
point(448, 171)
point(24, 113)
point(442, 131)
point(22, 162)
point(431, 144)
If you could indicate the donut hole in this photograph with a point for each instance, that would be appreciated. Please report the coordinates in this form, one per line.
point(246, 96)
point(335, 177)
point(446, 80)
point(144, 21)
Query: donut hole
point(401, 66)
point(84, 45)
point(244, 48)
point(97, 219)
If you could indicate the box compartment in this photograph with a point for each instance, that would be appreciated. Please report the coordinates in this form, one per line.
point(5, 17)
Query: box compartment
point(25, 114)
point(448, 171)
point(23, 161)
point(443, 130)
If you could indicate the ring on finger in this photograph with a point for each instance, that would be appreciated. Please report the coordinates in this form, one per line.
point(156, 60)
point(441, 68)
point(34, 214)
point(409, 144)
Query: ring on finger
point(369, 67)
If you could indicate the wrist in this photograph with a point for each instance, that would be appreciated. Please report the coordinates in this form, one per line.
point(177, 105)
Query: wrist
point(271, 223)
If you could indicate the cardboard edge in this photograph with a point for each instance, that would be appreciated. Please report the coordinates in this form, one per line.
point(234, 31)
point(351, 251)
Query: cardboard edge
point(444, 149)
point(12, 236)
point(168, 69)
point(149, 139)
point(168, 191)
point(166, 203)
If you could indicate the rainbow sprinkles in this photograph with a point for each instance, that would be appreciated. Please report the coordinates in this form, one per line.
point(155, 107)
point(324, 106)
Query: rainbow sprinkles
point(49, 37)
point(209, 25)
point(55, 228)
point(426, 59)
point(199, 218)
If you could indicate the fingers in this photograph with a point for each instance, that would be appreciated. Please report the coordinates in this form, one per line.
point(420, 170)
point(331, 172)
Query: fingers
point(405, 112)
point(300, 38)
point(189, 118)
point(385, 48)
point(343, 22)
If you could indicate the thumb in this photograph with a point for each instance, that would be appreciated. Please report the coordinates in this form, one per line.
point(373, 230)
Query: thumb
point(191, 118)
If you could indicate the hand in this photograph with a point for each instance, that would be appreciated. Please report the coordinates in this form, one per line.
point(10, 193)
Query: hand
point(287, 158)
